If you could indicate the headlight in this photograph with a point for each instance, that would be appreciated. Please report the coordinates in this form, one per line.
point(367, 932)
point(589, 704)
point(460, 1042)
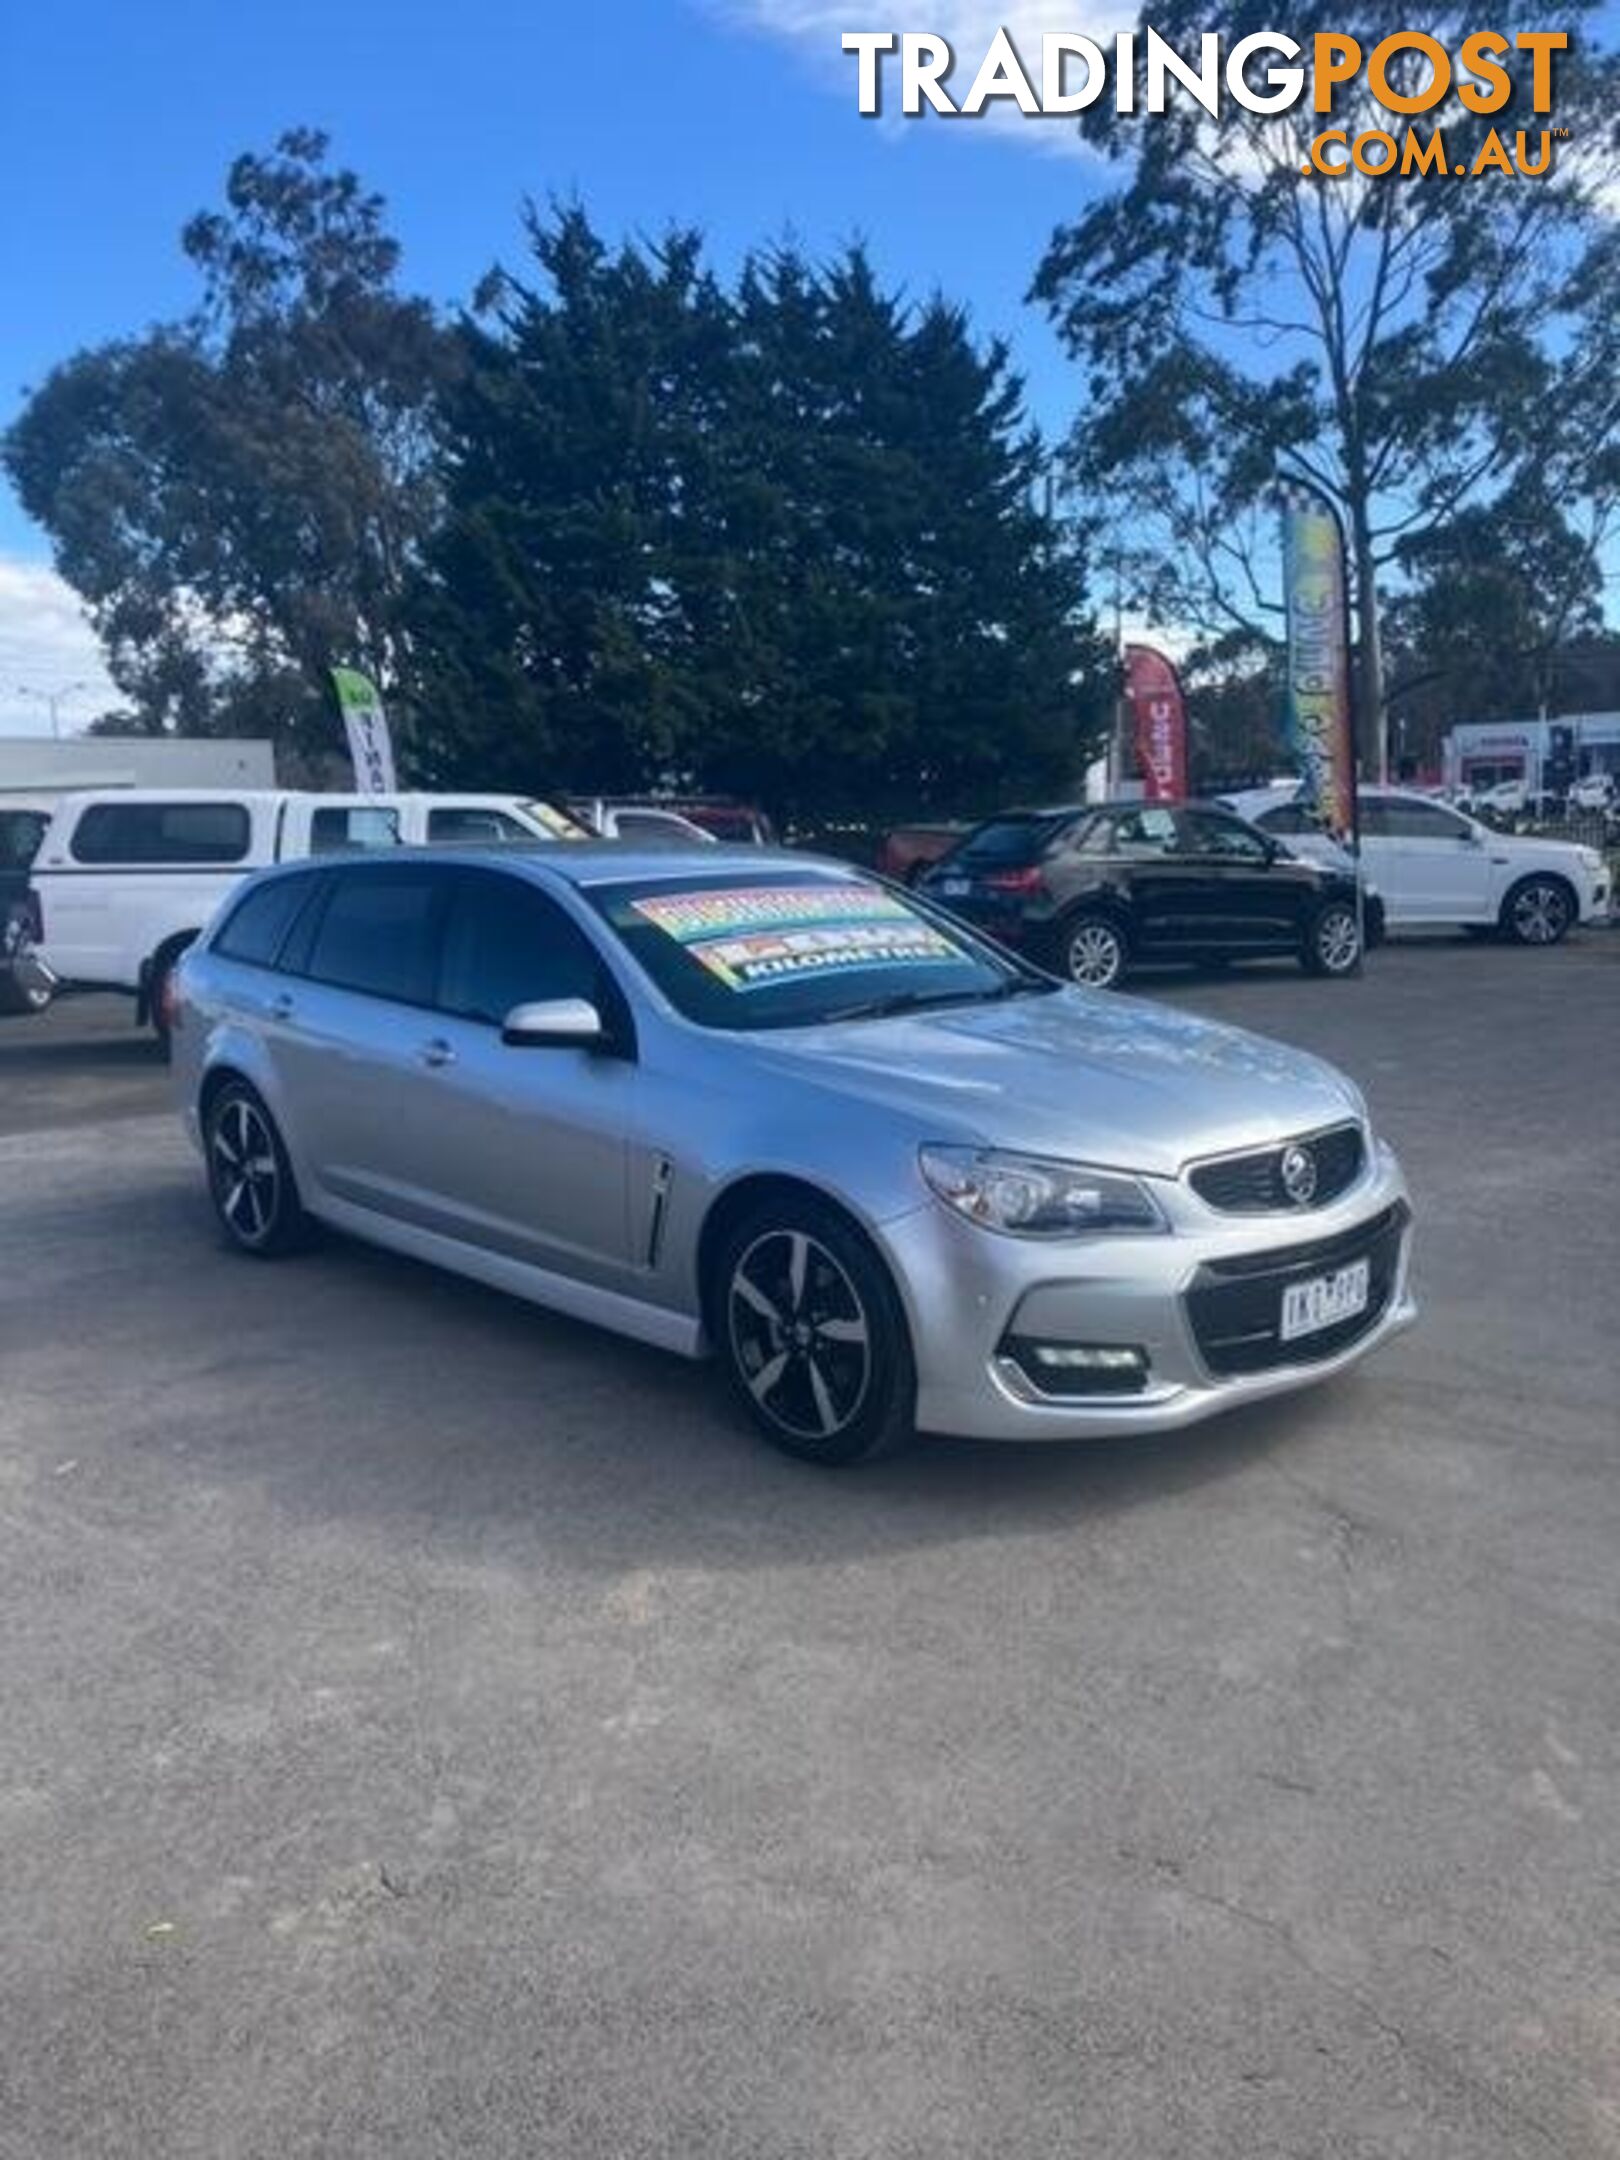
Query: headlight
point(1033, 1196)
point(1591, 859)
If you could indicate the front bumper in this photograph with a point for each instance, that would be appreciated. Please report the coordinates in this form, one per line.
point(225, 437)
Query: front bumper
point(967, 1291)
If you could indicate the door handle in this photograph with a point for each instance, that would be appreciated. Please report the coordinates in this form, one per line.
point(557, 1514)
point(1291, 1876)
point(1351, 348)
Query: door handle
point(281, 1006)
point(436, 1053)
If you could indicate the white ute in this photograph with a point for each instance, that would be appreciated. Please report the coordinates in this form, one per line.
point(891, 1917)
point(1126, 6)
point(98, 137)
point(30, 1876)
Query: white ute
point(125, 878)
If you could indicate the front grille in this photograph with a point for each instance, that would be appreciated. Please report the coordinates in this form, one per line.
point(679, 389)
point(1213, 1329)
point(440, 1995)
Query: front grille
point(1235, 1306)
point(1253, 1184)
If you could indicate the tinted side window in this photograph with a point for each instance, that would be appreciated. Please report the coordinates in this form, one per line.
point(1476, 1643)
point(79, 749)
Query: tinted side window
point(380, 933)
point(1407, 820)
point(472, 825)
point(21, 831)
point(1149, 831)
point(332, 830)
point(1286, 818)
point(151, 832)
point(507, 944)
point(255, 928)
point(1209, 834)
point(1372, 813)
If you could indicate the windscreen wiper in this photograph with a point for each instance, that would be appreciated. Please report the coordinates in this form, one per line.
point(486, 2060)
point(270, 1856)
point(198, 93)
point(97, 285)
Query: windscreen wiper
point(904, 1001)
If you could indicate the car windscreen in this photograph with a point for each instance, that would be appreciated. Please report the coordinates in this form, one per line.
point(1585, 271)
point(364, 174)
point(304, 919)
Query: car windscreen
point(1008, 840)
point(792, 948)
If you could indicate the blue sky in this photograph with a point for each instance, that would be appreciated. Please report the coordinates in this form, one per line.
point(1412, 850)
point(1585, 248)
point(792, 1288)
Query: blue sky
point(738, 115)
point(119, 122)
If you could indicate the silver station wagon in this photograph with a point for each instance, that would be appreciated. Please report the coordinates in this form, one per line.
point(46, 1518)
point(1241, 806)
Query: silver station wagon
point(766, 1107)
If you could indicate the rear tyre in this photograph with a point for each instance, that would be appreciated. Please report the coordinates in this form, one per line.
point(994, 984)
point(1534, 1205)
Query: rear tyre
point(160, 991)
point(811, 1334)
point(250, 1180)
point(13, 997)
point(1538, 911)
point(1333, 941)
point(1092, 950)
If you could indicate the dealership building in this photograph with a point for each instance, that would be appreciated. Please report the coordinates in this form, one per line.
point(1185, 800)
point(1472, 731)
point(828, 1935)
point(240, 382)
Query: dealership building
point(1544, 754)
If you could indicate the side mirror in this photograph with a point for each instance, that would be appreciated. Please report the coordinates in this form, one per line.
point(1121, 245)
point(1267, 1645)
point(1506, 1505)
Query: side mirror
point(554, 1024)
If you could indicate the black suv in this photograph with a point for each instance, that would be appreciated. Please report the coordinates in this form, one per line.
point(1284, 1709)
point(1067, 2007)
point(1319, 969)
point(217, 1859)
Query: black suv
point(1089, 891)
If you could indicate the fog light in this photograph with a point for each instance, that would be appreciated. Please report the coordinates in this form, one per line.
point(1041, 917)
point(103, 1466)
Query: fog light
point(1065, 1368)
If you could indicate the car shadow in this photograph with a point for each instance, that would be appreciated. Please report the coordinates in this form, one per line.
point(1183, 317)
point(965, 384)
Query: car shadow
point(352, 1383)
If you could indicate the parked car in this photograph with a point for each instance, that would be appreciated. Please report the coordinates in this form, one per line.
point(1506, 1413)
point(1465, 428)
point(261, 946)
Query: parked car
point(1506, 799)
point(1092, 892)
point(1594, 791)
point(768, 1108)
point(1434, 866)
point(24, 985)
point(907, 851)
point(737, 824)
point(125, 878)
point(647, 824)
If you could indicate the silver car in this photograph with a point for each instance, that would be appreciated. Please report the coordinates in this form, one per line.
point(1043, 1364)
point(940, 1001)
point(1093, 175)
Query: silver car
point(769, 1108)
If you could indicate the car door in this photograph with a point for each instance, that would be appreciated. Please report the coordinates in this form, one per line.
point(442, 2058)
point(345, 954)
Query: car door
point(1145, 848)
point(351, 1011)
point(1241, 895)
point(1430, 865)
point(531, 1143)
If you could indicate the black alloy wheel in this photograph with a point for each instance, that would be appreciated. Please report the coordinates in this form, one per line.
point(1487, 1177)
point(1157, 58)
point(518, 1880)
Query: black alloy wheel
point(812, 1335)
point(249, 1177)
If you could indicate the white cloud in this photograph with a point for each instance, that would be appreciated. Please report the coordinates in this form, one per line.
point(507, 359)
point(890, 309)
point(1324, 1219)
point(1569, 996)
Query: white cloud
point(47, 649)
point(968, 26)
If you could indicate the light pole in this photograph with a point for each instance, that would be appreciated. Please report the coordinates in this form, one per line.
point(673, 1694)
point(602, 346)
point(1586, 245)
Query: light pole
point(51, 699)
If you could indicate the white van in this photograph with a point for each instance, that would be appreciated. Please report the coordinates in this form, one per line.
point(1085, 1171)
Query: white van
point(125, 878)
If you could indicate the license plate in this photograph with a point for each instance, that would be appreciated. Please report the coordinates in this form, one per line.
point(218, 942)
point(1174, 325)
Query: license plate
point(1324, 1301)
point(956, 888)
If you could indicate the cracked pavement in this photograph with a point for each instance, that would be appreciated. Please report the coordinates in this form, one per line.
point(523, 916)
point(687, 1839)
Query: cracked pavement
point(433, 1728)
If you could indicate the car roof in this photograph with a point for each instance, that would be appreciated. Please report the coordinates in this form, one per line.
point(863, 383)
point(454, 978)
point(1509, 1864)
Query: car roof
point(592, 862)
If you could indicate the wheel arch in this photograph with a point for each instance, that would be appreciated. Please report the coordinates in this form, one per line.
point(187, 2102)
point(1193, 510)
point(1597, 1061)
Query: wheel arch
point(217, 1078)
point(747, 1192)
point(1565, 884)
point(161, 957)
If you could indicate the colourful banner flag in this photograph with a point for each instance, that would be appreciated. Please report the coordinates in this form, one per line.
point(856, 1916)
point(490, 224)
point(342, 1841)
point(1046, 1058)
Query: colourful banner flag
point(366, 725)
point(1321, 728)
point(1159, 722)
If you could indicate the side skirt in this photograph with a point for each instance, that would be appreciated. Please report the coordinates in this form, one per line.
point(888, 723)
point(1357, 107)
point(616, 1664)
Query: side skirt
point(664, 1330)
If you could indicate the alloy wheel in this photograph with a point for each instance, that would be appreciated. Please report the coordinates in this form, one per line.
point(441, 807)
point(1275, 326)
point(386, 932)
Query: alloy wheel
point(246, 1174)
point(1338, 941)
point(1096, 956)
point(800, 1334)
point(1540, 915)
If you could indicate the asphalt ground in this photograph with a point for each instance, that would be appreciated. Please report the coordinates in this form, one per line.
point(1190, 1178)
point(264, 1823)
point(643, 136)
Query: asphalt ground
point(432, 1728)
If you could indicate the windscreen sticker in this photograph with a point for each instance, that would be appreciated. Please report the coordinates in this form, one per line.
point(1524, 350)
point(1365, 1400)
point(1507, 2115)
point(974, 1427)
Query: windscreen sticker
point(755, 936)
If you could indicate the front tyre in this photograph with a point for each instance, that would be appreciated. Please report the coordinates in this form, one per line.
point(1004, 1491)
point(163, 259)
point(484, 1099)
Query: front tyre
point(1332, 940)
point(250, 1180)
point(1538, 911)
point(811, 1334)
point(1092, 950)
